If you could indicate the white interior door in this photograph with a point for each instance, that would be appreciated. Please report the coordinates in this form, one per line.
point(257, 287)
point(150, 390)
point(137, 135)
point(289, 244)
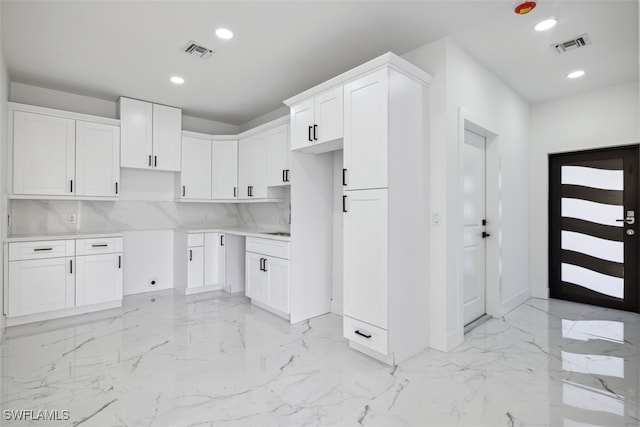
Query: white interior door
point(473, 158)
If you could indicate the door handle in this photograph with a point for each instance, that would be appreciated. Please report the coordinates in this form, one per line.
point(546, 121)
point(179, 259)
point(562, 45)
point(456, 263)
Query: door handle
point(261, 259)
point(119, 261)
point(184, 190)
point(630, 219)
point(284, 175)
point(116, 188)
point(264, 264)
point(71, 185)
point(344, 177)
point(222, 240)
point(315, 132)
point(344, 203)
point(362, 334)
point(149, 160)
point(190, 255)
point(70, 266)
point(155, 161)
point(287, 174)
point(309, 134)
point(234, 192)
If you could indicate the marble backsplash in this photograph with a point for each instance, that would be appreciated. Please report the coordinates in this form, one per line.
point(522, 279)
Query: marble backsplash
point(51, 216)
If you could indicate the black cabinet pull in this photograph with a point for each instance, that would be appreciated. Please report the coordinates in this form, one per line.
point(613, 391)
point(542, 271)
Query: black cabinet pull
point(119, 261)
point(344, 203)
point(286, 174)
point(222, 240)
point(116, 188)
point(149, 160)
point(71, 190)
point(184, 190)
point(42, 249)
point(234, 192)
point(155, 161)
point(70, 266)
point(103, 245)
point(362, 335)
point(315, 132)
point(190, 255)
point(344, 177)
point(261, 264)
point(250, 191)
point(309, 134)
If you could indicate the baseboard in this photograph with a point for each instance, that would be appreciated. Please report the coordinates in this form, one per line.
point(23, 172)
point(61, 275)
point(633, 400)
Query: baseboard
point(202, 289)
point(446, 342)
point(515, 301)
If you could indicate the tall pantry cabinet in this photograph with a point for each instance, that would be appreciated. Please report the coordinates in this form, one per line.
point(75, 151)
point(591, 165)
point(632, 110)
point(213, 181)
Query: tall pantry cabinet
point(385, 214)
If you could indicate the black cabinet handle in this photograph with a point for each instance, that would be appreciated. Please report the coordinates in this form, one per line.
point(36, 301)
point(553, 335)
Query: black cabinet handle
point(286, 174)
point(42, 249)
point(264, 264)
point(103, 245)
point(71, 190)
point(344, 177)
point(116, 188)
point(344, 203)
point(250, 191)
point(190, 255)
point(261, 264)
point(70, 266)
point(184, 190)
point(315, 132)
point(119, 261)
point(222, 240)
point(234, 192)
point(362, 335)
point(309, 134)
point(149, 160)
point(155, 161)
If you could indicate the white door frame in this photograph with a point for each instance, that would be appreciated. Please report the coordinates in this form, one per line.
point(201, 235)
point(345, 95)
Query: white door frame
point(480, 125)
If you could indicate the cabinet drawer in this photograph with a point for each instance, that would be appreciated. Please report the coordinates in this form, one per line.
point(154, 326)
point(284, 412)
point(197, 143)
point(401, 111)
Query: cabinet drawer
point(108, 245)
point(365, 334)
point(41, 249)
point(276, 248)
point(196, 239)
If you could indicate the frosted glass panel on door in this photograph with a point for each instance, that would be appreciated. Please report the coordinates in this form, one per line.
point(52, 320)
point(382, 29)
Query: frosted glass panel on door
point(592, 233)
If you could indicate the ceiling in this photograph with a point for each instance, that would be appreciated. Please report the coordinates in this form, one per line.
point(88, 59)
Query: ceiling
point(280, 48)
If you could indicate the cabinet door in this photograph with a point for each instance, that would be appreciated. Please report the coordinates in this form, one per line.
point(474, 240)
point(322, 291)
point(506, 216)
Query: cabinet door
point(195, 177)
point(329, 115)
point(245, 163)
point(136, 135)
point(302, 118)
point(224, 178)
point(278, 278)
point(214, 259)
point(97, 159)
point(195, 273)
point(43, 154)
point(98, 279)
point(259, 177)
point(366, 256)
point(278, 156)
point(40, 285)
point(255, 278)
point(366, 129)
point(167, 138)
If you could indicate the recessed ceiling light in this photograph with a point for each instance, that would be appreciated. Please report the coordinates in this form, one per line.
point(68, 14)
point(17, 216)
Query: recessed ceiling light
point(545, 25)
point(224, 33)
point(177, 80)
point(575, 74)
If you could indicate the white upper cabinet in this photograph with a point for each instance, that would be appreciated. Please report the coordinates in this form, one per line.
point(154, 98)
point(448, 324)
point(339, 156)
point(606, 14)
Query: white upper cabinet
point(167, 132)
point(366, 131)
point(278, 156)
point(224, 174)
point(43, 154)
point(151, 135)
point(317, 120)
point(195, 178)
point(57, 154)
point(97, 159)
point(252, 167)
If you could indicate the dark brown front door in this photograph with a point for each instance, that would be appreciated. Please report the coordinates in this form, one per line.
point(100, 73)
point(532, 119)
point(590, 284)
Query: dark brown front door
point(593, 227)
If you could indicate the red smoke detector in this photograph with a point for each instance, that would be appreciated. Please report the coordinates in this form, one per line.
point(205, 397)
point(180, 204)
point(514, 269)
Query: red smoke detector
point(525, 7)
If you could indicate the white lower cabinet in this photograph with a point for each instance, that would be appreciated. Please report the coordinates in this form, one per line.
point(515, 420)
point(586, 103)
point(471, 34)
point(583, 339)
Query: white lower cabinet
point(202, 267)
point(58, 278)
point(267, 274)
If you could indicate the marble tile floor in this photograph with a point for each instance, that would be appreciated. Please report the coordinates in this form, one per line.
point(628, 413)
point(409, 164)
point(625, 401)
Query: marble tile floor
point(165, 360)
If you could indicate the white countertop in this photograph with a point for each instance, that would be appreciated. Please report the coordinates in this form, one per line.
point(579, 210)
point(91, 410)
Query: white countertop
point(248, 232)
point(74, 235)
point(59, 236)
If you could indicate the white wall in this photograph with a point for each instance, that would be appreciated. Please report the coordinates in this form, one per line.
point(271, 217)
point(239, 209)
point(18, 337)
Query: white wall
point(464, 88)
point(595, 119)
point(4, 95)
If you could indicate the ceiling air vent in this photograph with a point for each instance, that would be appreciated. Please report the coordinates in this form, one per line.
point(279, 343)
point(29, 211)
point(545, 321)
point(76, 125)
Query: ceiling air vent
point(573, 44)
point(194, 49)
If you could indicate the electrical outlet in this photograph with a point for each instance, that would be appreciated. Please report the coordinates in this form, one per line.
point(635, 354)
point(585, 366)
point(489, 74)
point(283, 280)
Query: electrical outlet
point(72, 218)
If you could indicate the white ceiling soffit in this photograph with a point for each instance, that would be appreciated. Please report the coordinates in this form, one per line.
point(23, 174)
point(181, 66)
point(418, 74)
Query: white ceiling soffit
point(112, 48)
